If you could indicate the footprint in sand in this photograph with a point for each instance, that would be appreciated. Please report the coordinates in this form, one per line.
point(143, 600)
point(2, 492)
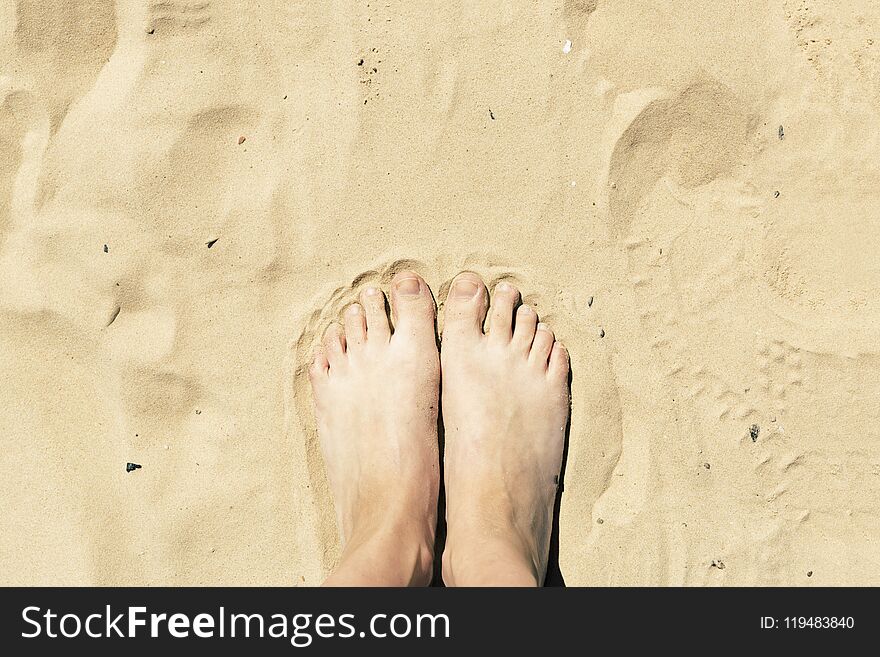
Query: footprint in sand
point(576, 13)
point(692, 137)
point(49, 38)
point(664, 148)
point(22, 133)
point(783, 280)
point(173, 19)
point(24, 130)
point(780, 365)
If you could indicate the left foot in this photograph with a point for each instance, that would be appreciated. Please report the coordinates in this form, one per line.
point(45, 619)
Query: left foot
point(376, 402)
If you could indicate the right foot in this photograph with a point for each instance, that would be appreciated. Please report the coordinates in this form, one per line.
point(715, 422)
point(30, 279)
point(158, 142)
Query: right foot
point(376, 405)
point(505, 408)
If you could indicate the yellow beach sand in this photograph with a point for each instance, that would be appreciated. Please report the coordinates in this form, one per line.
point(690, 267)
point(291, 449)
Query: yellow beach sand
point(686, 190)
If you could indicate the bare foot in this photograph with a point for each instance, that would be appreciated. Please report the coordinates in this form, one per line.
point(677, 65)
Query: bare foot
point(505, 408)
point(376, 402)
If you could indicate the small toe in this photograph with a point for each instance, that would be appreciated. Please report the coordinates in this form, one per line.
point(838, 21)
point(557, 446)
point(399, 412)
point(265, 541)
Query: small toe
point(320, 365)
point(558, 367)
point(524, 330)
point(334, 345)
point(541, 345)
point(412, 307)
point(355, 327)
point(373, 302)
point(504, 300)
point(465, 308)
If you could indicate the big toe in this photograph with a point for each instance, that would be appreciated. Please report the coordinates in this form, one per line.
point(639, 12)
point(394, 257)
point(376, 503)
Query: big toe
point(412, 307)
point(465, 308)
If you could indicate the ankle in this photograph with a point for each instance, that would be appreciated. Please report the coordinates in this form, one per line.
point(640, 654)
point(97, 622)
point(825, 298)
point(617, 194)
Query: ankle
point(388, 555)
point(490, 562)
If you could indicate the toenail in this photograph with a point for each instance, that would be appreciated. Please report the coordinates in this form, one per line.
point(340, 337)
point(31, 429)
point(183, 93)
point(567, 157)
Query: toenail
point(503, 287)
point(543, 327)
point(354, 309)
point(372, 291)
point(408, 287)
point(465, 289)
point(525, 310)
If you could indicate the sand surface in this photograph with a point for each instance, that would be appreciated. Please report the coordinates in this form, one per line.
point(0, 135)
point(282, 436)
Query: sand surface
point(689, 191)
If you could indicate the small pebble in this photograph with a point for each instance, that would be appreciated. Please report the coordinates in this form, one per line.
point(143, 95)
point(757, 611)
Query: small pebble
point(241, 140)
point(131, 467)
point(589, 302)
point(599, 521)
point(601, 333)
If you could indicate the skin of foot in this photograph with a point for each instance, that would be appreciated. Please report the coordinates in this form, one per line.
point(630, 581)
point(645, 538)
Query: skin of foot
point(376, 403)
point(505, 399)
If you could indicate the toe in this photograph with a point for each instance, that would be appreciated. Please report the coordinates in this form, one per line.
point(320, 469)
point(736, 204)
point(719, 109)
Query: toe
point(320, 366)
point(504, 300)
point(373, 302)
point(524, 331)
point(334, 345)
point(541, 345)
point(465, 308)
point(355, 326)
point(412, 307)
point(558, 361)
